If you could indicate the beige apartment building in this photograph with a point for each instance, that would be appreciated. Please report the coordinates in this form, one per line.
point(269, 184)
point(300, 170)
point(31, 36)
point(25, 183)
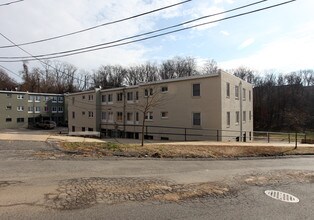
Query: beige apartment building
point(209, 107)
point(24, 109)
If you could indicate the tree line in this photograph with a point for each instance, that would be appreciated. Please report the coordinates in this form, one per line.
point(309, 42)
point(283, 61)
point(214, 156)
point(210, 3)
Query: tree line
point(282, 101)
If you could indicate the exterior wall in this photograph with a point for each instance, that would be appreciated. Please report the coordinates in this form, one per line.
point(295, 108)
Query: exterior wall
point(24, 109)
point(230, 103)
point(173, 106)
point(82, 112)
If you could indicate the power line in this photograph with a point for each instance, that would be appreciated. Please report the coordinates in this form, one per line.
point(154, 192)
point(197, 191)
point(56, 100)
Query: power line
point(97, 26)
point(139, 35)
point(9, 3)
point(11, 71)
point(146, 38)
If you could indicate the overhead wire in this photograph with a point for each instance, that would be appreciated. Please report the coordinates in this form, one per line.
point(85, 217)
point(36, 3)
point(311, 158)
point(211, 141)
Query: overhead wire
point(139, 35)
point(47, 64)
point(97, 26)
point(9, 3)
point(83, 50)
point(3, 67)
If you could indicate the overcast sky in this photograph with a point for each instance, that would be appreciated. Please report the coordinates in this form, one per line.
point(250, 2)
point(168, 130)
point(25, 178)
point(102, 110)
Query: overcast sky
point(281, 38)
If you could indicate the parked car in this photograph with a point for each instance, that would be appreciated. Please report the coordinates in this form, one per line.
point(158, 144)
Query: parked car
point(47, 124)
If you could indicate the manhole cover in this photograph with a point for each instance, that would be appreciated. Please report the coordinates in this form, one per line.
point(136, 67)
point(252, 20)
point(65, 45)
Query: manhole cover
point(285, 197)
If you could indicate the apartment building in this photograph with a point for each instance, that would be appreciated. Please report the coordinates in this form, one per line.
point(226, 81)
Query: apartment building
point(24, 109)
point(211, 107)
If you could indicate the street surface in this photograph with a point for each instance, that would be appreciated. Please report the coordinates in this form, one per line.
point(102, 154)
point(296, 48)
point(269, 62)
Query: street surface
point(36, 186)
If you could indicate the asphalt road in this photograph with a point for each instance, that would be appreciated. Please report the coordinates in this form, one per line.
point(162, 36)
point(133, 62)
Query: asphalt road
point(35, 187)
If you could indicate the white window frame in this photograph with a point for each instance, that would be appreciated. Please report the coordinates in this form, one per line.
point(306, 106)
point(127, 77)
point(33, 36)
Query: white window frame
point(20, 108)
point(20, 97)
point(60, 109)
point(164, 89)
point(129, 117)
point(110, 117)
point(103, 116)
point(37, 109)
point(149, 116)
point(194, 91)
point(60, 99)
point(54, 109)
point(30, 109)
point(236, 92)
point(119, 117)
point(90, 114)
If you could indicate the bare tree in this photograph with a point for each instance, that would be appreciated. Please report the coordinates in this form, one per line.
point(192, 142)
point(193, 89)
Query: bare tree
point(109, 76)
point(6, 82)
point(210, 67)
point(150, 98)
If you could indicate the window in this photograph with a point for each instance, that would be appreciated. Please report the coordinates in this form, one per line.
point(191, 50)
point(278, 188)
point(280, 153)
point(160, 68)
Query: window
point(129, 116)
point(47, 98)
point(104, 116)
point(73, 100)
point(136, 95)
point(20, 96)
point(197, 89)
point(37, 98)
point(30, 98)
point(228, 119)
point(250, 95)
point(90, 97)
point(20, 108)
point(137, 116)
point(237, 117)
point(149, 116)
point(8, 119)
point(60, 109)
point(83, 112)
point(73, 128)
point(110, 98)
point(9, 107)
point(228, 89)
point(37, 109)
point(90, 129)
point(54, 99)
point(20, 120)
point(46, 109)
point(90, 114)
point(103, 98)
point(164, 89)
point(119, 96)
point(148, 92)
point(83, 128)
point(73, 115)
point(9, 95)
point(60, 99)
point(236, 92)
point(196, 118)
point(110, 116)
point(250, 115)
point(54, 109)
point(244, 94)
point(83, 97)
point(130, 96)
point(164, 114)
point(244, 116)
point(30, 109)
point(119, 116)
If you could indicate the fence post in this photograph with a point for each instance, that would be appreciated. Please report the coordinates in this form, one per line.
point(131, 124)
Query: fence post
point(296, 140)
point(289, 137)
point(217, 135)
point(184, 134)
point(267, 137)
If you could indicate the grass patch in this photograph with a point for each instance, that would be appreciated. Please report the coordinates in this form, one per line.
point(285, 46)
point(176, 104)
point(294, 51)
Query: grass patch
point(182, 151)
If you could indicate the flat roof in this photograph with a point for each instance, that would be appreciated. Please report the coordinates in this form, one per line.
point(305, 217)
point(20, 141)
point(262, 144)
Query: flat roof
point(30, 93)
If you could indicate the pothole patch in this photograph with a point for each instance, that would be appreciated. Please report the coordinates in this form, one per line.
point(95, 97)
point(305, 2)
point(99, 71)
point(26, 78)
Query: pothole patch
point(85, 192)
point(282, 196)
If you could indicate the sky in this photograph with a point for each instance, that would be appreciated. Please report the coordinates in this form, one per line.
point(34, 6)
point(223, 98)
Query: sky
point(280, 38)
